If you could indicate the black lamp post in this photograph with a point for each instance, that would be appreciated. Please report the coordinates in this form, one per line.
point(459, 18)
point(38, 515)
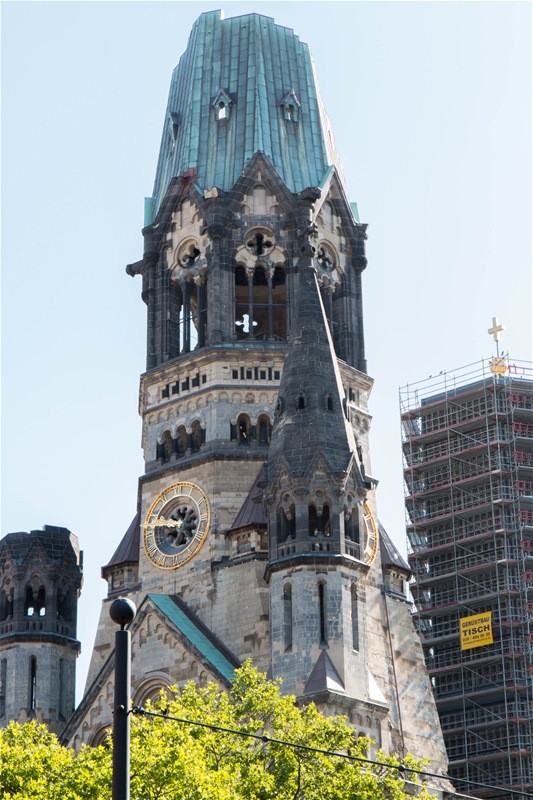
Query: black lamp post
point(122, 611)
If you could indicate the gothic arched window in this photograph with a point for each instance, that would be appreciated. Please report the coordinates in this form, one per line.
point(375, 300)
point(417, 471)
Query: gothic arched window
point(243, 429)
point(29, 602)
point(260, 297)
point(192, 315)
point(313, 520)
point(168, 445)
point(180, 443)
point(319, 522)
point(197, 436)
point(41, 601)
point(264, 429)
point(286, 524)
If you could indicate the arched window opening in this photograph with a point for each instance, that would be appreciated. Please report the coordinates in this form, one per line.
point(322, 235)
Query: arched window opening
point(63, 605)
point(41, 601)
point(242, 316)
point(193, 313)
point(319, 523)
point(32, 692)
point(286, 525)
point(313, 520)
point(222, 110)
point(243, 429)
point(197, 436)
point(351, 525)
point(329, 402)
point(29, 604)
point(102, 738)
point(260, 303)
point(181, 441)
point(287, 616)
point(279, 304)
point(259, 310)
point(6, 605)
point(322, 612)
point(325, 520)
point(355, 619)
point(167, 446)
point(301, 402)
point(265, 429)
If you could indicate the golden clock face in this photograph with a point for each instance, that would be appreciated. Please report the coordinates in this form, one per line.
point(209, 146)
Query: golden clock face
point(176, 525)
point(371, 535)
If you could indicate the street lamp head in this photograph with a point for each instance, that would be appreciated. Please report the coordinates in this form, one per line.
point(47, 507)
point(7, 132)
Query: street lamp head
point(122, 611)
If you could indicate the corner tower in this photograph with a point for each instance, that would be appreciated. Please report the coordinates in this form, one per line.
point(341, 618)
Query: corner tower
point(256, 534)
point(40, 582)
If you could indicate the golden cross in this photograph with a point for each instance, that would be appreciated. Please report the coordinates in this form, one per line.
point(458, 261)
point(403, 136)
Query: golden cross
point(496, 329)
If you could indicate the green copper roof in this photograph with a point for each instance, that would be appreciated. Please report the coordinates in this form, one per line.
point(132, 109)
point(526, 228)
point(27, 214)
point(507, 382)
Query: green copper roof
point(253, 65)
point(197, 634)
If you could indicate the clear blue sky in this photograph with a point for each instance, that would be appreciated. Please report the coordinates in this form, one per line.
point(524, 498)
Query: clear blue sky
point(431, 109)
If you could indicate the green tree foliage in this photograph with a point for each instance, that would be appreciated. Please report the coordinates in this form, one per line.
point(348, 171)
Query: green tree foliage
point(178, 761)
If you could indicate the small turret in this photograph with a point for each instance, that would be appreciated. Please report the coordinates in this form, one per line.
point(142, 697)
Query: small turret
point(40, 582)
point(312, 468)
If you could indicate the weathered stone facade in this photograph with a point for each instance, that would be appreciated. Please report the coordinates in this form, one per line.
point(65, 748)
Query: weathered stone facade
point(256, 531)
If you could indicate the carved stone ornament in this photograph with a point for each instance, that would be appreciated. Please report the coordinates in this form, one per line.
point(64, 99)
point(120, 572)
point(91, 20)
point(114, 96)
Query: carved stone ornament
point(308, 231)
point(188, 263)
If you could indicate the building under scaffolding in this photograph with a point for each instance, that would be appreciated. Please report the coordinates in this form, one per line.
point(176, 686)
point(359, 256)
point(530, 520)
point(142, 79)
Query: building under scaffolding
point(468, 451)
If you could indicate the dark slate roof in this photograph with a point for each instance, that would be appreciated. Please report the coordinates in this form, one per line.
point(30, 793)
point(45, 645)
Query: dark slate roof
point(220, 659)
point(324, 676)
point(390, 557)
point(128, 549)
point(252, 512)
point(255, 63)
point(55, 542)
point(311, 371)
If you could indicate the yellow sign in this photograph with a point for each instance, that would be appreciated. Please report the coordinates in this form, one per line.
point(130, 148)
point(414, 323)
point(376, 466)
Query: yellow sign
point(498, 365)
point(476, 631)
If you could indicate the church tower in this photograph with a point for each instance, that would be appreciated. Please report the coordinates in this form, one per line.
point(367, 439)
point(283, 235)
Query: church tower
point(40, 582)
point(256, 534)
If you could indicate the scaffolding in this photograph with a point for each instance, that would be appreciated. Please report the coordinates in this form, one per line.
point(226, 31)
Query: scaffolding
point(468, 458)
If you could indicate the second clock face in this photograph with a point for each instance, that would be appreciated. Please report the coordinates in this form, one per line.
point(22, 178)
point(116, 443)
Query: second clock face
point(371, 535)
point(176, 525)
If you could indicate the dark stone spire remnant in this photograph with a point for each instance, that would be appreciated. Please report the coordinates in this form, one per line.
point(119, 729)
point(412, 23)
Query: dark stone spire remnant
point(311, 420)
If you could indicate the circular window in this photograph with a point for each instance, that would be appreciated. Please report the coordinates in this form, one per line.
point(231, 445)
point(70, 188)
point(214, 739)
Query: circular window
point(259, 241)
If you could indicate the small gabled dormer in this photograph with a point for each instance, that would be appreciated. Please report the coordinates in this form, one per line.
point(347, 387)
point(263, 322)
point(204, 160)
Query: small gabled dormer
point(290, 107)
point(222, 105)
